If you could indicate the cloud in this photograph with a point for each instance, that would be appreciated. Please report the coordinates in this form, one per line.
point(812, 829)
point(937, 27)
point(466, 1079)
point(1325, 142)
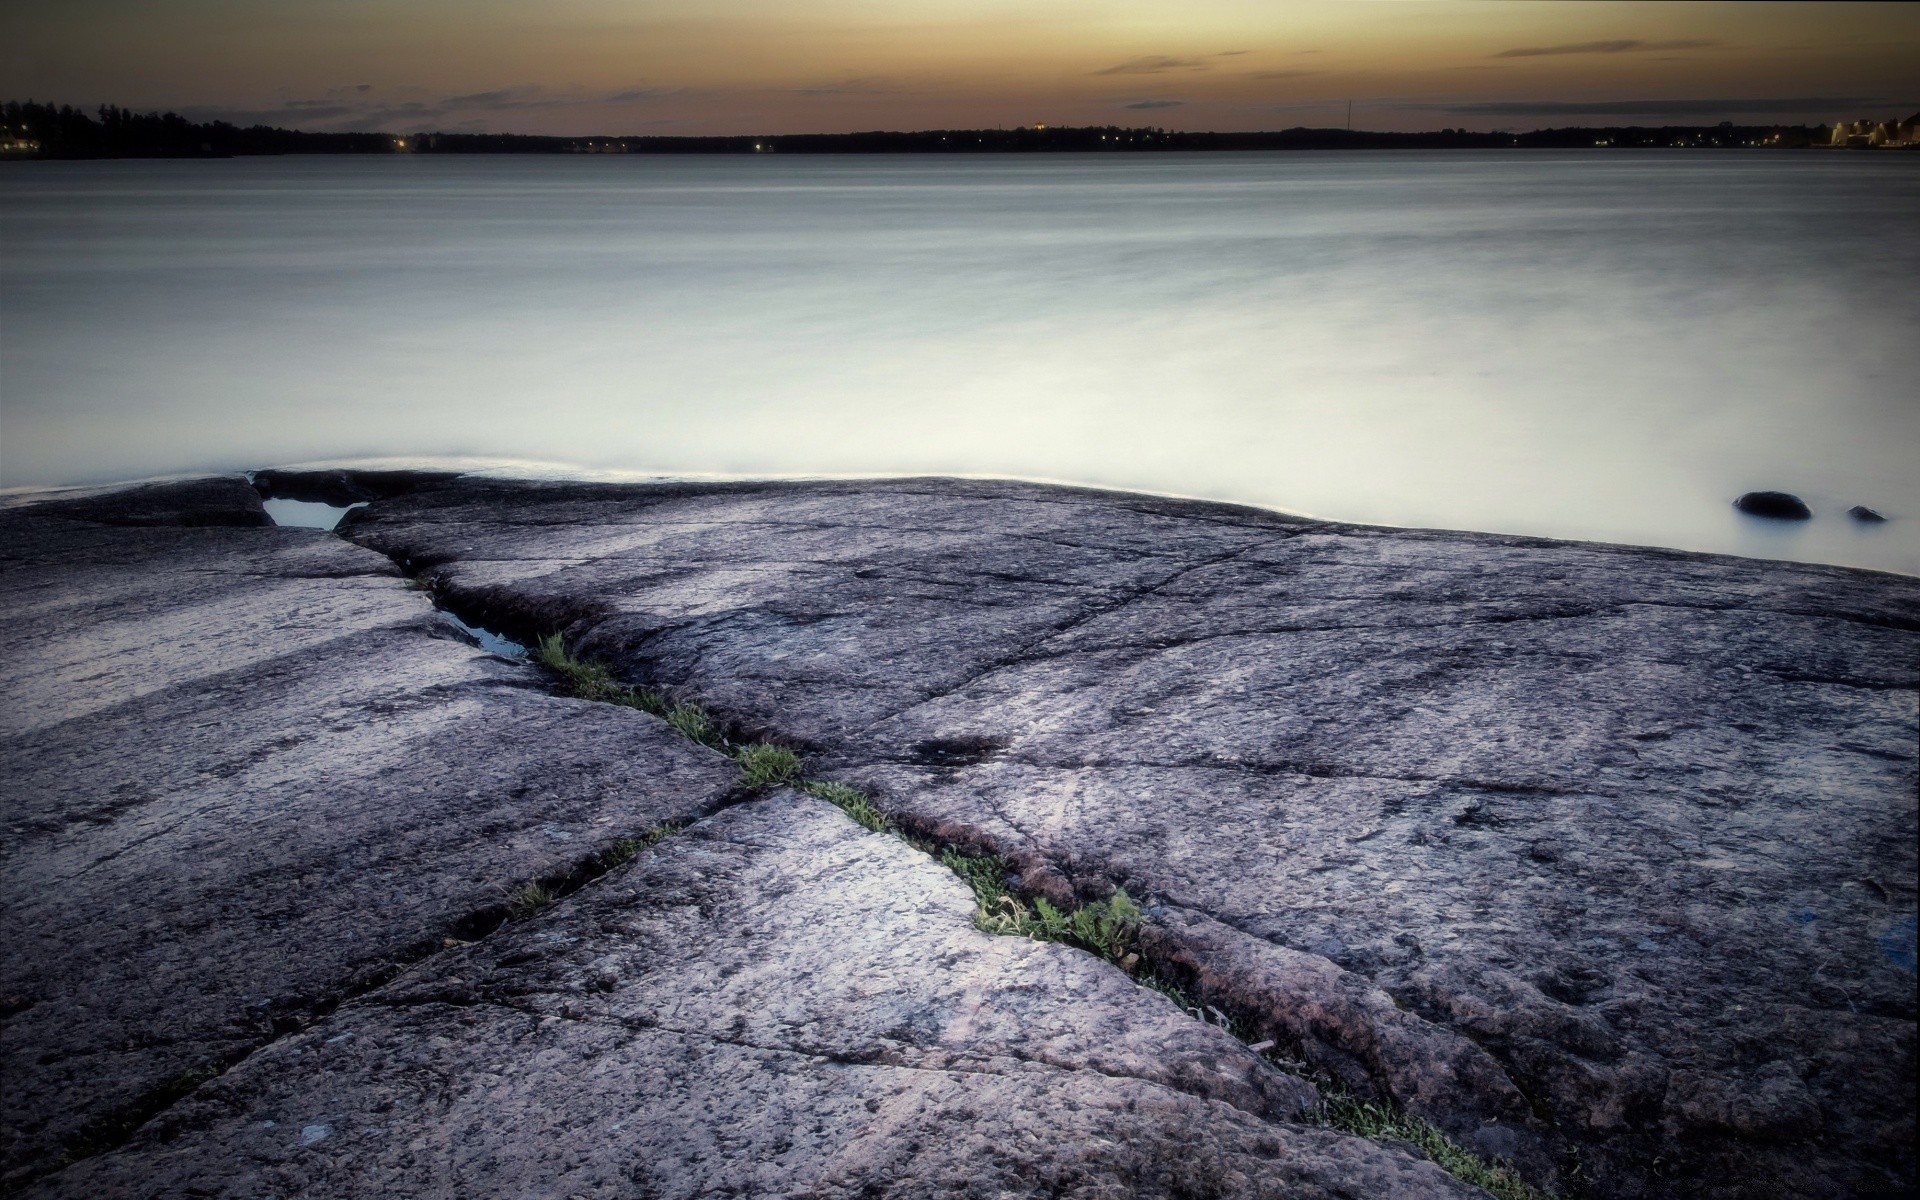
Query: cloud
point(511, 98)
point(848, 87)
point(292, 111)
point(1231, 53)
point(1282, 74)
point(1154, 104)
point(634, 95)
point(1650, 108)
point(1617, 46)
point(501, 98)
point(1153, 64)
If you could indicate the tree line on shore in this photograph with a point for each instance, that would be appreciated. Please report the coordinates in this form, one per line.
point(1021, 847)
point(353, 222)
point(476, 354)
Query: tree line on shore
point(33, 130)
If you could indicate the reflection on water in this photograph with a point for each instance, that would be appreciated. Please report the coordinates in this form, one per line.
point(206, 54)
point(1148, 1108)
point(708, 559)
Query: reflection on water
point(1599, 346)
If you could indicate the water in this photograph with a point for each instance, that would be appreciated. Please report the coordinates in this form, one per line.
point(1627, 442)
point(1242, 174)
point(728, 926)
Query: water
point(1606, 346)
point(306, 514)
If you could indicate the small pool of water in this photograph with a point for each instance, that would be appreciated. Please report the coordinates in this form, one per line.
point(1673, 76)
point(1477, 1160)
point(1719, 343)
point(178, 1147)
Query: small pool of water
point(487, 639)
point(307, 514)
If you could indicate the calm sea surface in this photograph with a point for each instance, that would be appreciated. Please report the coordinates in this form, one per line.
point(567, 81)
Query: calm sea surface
point(1607, 345)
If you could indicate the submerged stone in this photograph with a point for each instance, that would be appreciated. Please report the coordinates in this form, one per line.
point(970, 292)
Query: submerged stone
point(1861, 512)
point(1784, 506)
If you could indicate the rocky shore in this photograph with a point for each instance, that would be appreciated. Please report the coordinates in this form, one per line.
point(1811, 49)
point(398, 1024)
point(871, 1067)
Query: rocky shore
point(1595, 861)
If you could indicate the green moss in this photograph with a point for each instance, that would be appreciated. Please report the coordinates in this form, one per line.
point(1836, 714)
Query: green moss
point(591, 681)
point(766, 765)
point(528, 901)
point(695, 725)
point(1350, 1115)
point(624, 849)
point(855, 804)
point(1105, 927)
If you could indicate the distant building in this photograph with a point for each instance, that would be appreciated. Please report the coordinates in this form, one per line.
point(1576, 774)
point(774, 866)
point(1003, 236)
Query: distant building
point(1889, 134)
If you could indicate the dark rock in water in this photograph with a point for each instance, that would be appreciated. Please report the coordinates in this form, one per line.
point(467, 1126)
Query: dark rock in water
point(1784, 506)
point(1861, 512)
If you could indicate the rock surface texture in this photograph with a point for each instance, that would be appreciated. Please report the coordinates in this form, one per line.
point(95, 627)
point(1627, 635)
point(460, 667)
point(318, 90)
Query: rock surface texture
point(775, 1003)
point(265, 817)
point(247, 774)
point(1601, 858)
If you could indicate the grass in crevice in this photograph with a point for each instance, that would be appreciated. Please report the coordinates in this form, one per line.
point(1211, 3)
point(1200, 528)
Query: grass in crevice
point(1108, 928)
point(763, 764)
point(1349, 1114)
point(1105, 927)
point(692, 722)
point(1340, 1109)
point(528, 901)
point(855, 804)
point(591, 681)
point(623, 850)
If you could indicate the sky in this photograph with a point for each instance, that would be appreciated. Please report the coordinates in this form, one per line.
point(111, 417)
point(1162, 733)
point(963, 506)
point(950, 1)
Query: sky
point(582, 67)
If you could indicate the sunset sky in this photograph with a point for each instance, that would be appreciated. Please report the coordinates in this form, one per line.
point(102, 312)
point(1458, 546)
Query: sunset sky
point(801, 66)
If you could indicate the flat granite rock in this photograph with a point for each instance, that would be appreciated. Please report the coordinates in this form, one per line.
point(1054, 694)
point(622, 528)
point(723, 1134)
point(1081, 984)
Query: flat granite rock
point(773, 1003)
point(1601, 858)
point(246, 773)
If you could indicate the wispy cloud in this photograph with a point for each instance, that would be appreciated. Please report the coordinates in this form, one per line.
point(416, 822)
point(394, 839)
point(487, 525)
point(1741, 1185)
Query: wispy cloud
point(511, 98)
point(1154, 64)
point(848, 87)
point(1651, 108)
point(1150, 103)
point(292, 112)
point(361, 108)
point(1615, 46)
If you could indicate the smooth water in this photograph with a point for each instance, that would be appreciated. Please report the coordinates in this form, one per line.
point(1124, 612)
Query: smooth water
point(1595, 345)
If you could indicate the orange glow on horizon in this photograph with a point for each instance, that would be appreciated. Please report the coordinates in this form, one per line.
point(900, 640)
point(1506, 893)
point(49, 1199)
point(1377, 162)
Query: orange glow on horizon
point(586, 67)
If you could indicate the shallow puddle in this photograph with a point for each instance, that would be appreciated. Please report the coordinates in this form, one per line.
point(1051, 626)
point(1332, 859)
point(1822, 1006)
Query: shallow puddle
point(307, 514)
point(487, 639)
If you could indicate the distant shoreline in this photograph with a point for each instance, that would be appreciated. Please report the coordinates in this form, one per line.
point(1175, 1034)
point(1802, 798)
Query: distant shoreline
point(43, 131)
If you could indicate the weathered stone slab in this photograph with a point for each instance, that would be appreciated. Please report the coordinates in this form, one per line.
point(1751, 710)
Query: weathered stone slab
point(774, 1003)
point(1623, 838)
point(247, 773)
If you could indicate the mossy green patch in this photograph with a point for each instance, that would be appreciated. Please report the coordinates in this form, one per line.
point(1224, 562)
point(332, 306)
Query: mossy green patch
point(765, 765)
point(1106, 927)
point(1350, 1115)
point(857, 805)
point(528, 901)
point(591, 681)
point(624, 849)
